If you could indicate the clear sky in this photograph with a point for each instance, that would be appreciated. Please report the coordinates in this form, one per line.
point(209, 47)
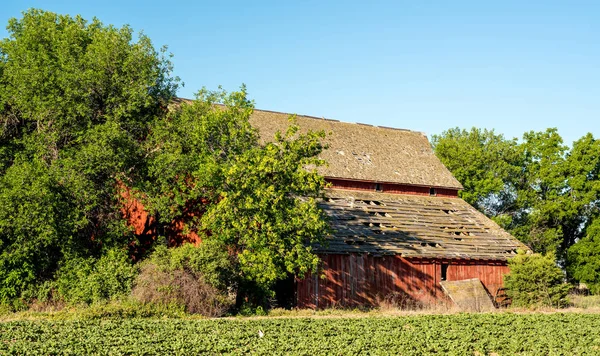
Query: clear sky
point(512, 66)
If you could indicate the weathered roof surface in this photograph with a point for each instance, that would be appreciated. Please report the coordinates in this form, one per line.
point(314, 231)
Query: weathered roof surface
point(364, 152)
point(413, 226)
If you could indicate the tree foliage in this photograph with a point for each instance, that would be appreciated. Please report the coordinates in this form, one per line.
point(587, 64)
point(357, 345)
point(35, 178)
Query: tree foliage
point(76, 100)
point(87, 109)
point(89, 280)
point(540, 190)
point(536, 280)
point(584, 258)
point(258, 200)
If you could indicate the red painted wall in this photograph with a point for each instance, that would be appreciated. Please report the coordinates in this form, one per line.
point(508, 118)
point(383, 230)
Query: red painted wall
point(491, 273)
point(361, 279)
point(390, 188)
point(144, 225)
point(350, 184)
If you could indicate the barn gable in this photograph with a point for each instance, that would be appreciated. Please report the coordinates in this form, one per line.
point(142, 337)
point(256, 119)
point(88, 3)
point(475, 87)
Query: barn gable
point(398, 225)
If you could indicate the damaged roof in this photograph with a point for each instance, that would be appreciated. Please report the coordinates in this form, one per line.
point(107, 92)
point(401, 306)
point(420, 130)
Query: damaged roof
point(412, 226)
point(365, 152)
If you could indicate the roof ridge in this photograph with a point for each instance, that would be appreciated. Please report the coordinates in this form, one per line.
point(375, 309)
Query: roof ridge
point(343, 122)
point(327, 119)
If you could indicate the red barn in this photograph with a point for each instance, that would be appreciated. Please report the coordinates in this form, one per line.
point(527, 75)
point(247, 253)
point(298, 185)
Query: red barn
point(399, 226)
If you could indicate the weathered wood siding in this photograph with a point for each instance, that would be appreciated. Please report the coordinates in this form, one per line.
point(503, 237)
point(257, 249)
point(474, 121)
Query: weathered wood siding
point(351, 184)
point(447, 193)
point(390, 188)
point(490, 273)
point(361, 279)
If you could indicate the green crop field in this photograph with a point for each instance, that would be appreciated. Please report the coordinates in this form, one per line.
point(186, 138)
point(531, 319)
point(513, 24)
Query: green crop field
point(459, 334)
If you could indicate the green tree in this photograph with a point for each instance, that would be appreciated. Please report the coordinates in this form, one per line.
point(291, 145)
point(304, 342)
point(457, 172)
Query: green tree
point(536, 280)
point(208, 169)
point(87, 110)
point(76, 101)
point(584, 258)
point(538, 189)
point(483, 162)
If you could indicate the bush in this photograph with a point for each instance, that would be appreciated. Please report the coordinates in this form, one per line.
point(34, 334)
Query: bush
point(536, 280)
point(90, 280)
point(198, 278)
point(210, 259)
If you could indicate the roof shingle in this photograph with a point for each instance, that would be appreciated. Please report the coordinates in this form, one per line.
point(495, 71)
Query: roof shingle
point(365, 152)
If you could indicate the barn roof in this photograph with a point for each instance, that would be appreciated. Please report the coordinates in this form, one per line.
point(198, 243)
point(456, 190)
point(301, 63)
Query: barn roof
point(365, 152)
point(413, 226)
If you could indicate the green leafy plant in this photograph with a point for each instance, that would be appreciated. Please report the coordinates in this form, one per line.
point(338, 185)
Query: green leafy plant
point(536, 280)
point(456, 334)
point(93, 280)
point(97, 115)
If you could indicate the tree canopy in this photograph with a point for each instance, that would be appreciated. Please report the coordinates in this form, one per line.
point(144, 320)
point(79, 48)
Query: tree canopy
point(540, 190)
point(86, 109)
point(76, 100)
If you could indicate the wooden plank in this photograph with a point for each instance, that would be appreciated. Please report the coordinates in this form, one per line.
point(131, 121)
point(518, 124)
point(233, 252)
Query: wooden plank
point(468, 295)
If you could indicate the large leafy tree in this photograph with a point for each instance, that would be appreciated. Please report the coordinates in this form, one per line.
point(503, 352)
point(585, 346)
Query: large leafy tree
point(540, 190)
point(482, 161)
point(76, 101)
point(208, 169)
point(584, 258)
point(88, 115)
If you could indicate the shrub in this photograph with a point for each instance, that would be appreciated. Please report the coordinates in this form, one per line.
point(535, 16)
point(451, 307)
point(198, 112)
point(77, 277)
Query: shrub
point(536, 280)
point(197, 278)
point(210, 259)
point(90, 280)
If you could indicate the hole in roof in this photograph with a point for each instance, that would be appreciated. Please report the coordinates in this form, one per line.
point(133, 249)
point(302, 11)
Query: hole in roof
point(354, 242)
point(432, 245)
point(458, 239)
point(363, 158)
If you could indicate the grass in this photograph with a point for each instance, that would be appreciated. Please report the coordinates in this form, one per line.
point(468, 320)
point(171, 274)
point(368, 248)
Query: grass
point(586, 302)
point(129, 308)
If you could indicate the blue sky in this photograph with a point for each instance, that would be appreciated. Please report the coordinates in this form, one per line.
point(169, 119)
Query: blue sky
point(512, 66)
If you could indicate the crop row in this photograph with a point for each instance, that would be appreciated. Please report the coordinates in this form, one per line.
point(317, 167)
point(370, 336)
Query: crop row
point(460, 334)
